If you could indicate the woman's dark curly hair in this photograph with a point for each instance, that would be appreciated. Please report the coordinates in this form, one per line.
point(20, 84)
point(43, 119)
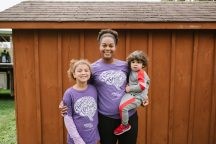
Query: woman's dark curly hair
point(108, 32)
point(139, 56)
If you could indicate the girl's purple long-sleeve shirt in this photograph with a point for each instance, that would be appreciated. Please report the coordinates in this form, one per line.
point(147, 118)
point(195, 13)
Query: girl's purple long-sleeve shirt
point(82, 108)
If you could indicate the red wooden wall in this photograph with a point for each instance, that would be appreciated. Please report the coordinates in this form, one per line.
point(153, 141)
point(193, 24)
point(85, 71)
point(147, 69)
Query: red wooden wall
point(182, 69)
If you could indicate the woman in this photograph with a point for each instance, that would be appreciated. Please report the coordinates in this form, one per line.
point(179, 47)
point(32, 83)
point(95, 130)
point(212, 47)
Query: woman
point(109, 75)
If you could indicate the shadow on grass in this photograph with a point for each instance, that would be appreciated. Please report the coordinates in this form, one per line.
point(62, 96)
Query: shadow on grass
point(6, 97)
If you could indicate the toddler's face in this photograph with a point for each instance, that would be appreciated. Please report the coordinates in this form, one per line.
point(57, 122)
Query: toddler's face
point(136, 65)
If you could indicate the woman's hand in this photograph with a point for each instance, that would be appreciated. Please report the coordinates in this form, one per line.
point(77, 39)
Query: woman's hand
point(63, 109)
point(127, 89)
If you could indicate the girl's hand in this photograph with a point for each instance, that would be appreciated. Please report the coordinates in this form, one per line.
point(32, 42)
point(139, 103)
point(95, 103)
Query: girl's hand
point(63, 109)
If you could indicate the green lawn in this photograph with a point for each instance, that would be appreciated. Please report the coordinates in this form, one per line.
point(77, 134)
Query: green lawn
point(4, 91)
point(7, 122)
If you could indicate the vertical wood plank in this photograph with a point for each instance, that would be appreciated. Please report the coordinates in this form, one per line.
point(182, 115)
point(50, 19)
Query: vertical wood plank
point(15, 69)
point(127, 43)
point(160, 86)
point(193, 87)
point(149, 107)
point(172, 87)
point(183, 69)
point(48, 57)
point(82, 45)
point(203, 92)
point(24, 74)
point(212, 132)
point(37, 86)
point(60, 91)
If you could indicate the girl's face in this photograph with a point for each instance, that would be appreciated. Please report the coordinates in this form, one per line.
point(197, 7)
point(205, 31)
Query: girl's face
point(136, 65)
point(107, 48)
point(82, 73)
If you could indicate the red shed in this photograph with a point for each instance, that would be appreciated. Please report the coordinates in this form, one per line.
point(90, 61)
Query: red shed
point(179, 38)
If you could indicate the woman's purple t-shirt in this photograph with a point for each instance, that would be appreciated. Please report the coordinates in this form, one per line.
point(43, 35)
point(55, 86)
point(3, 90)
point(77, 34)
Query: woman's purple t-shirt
point(110, 81)
point(82, 106)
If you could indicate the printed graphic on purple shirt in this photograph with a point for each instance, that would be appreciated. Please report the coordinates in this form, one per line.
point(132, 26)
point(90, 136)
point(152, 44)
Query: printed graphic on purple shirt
point(86, 106)
point(113, 77)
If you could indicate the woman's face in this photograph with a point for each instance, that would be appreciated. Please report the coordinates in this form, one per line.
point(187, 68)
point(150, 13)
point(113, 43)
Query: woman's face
point(107, 48)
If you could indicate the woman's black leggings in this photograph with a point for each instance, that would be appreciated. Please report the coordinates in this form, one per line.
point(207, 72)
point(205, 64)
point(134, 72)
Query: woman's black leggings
point(107, 126)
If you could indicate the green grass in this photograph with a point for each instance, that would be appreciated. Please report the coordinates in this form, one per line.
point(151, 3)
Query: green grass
point(4, 91)
point(7, 122)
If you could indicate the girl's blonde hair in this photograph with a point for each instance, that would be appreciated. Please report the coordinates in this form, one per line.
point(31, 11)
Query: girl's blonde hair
point(73, 65)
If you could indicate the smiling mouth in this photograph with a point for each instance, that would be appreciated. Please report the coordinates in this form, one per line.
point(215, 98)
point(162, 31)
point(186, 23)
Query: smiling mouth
point(107, 53)
point(83, 76)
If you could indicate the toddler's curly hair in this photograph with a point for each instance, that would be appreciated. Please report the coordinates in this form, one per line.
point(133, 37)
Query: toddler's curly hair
point(139, 56)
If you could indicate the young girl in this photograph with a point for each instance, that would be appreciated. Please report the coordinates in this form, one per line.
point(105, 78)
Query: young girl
point(137, 89)
point(81, 120)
